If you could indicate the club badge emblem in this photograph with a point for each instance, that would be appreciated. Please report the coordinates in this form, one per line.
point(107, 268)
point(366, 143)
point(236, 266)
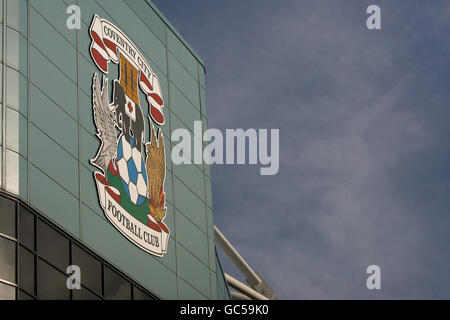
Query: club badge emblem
point(130, 182)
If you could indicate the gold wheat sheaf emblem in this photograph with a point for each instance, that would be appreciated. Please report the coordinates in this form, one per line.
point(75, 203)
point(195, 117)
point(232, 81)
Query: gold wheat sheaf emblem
point(156, 172)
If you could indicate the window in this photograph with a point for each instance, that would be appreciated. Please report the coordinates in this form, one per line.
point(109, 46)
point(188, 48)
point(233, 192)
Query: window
point(51, 283)
point(84, 294)
point(91, 269)
point(7, 292)
point(7, 217)
point(26, 270)
point(139, 294)
point(26, 228)
point(7, 249)
point(7, 260)
point(34, 265)
point(116, 287)
point(53, 246)
point(24, 296)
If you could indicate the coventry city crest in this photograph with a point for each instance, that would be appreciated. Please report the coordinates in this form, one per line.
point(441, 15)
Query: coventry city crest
point(131, 182)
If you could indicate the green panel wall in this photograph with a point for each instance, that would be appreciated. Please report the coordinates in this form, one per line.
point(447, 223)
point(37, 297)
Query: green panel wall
point(47, 136)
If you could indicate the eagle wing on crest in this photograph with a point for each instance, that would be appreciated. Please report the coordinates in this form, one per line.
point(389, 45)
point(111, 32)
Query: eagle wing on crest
point(156, 171)
point(104, 120)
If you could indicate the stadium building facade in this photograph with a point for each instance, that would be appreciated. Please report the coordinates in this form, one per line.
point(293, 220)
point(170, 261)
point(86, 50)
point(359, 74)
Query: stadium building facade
point(86, 173)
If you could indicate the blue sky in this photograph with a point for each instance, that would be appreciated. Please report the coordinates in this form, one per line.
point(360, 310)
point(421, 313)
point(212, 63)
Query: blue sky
point(364, 125)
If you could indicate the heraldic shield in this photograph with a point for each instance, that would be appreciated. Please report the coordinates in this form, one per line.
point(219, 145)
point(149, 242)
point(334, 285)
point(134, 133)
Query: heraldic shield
point(130, 184)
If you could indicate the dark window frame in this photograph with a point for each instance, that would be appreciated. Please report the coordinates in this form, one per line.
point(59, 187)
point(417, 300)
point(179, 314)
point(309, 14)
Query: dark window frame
point(72, 242)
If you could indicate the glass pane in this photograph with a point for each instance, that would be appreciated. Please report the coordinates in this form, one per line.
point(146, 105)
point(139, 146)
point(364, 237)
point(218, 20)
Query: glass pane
point(84, 294)
point(26, 270)
point(7, 292)
point(7, 217)
point(26, 227)
point(139, 294)
point(91, 269)
point(51, 284)
point(53, 246)
point(116, 287)
point(24, 296)
point(7, 260)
